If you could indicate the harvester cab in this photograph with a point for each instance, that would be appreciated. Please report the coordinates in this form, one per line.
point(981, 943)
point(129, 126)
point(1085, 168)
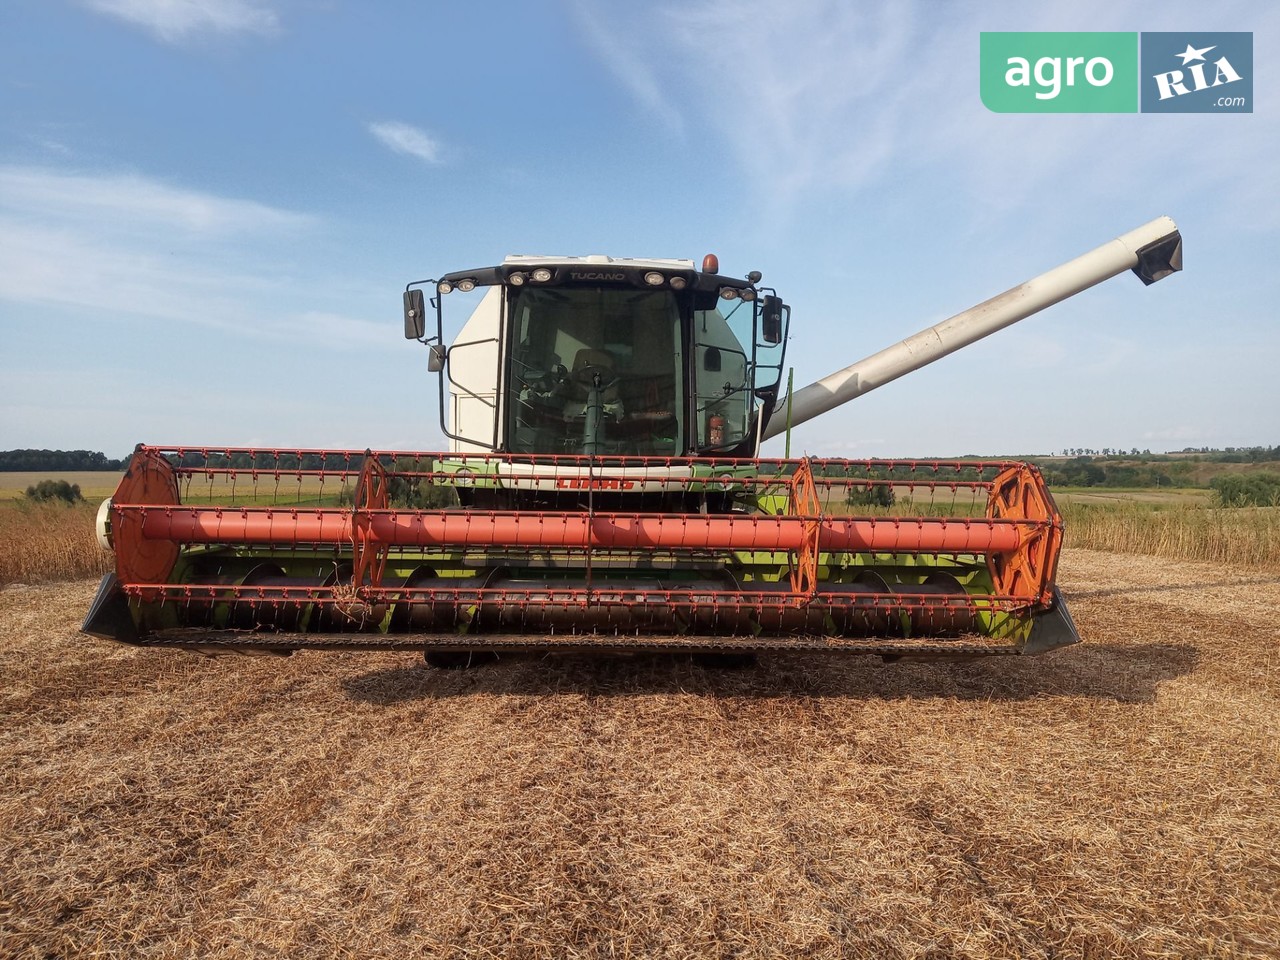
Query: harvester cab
point(601, 356)
point(604, 492)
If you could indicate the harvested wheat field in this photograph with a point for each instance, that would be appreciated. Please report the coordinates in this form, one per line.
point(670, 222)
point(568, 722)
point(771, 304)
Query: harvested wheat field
point(1117, 799)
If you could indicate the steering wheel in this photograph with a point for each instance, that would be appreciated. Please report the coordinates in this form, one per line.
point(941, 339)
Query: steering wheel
point(587, 373)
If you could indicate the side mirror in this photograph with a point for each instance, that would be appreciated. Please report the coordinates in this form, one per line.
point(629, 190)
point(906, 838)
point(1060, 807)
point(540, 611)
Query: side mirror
point(415, 315)
point(711, 360)
point(436, 355)
point(771, 319)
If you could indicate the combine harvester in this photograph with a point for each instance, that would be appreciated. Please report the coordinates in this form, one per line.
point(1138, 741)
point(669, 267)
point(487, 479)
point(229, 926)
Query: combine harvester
point(604, 492)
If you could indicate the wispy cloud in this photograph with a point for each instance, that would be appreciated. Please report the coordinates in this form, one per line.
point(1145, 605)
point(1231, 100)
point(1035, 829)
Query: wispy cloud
point(407, 139)
point(133, 247)
point(87, 267)
point(176, 20)
point(820, 98)
point(129, 199)
point(49, 145)
point(820, 104)
point(616, 50)
point(813, 104)
point(828, 109)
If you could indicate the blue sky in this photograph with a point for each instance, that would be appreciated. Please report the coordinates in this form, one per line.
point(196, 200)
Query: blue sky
point(208, 210)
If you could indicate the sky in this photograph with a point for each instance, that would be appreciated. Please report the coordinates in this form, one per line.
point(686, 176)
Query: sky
point(209, 209)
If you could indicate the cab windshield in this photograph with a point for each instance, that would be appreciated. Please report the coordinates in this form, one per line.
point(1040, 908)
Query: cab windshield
point(595, 371)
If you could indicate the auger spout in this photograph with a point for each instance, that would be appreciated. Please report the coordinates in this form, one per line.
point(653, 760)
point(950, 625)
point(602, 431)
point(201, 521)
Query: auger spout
point(1152, 251)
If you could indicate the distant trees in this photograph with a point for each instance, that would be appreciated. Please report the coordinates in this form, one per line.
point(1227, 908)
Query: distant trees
point(1225, 455)
point(1084, 472)
point(1245, 454)
point(414, 493)
point(1246, 489)
point(1235, 454)
point(56, 460)
point(879, 495)
point(47, 490)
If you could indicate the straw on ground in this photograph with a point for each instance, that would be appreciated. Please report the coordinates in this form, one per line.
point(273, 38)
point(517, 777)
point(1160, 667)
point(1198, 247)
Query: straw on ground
point(1115, 799)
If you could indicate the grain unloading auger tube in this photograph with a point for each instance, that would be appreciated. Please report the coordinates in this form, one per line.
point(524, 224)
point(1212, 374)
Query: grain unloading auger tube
point(206, 560)
point(605, 491)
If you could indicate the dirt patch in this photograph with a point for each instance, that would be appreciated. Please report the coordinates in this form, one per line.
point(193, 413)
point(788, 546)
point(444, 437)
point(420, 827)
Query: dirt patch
point(1118, 798)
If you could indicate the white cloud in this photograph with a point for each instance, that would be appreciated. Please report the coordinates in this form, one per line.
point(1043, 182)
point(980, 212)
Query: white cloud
point(802, 93)
point(820, 103)
point(104, 272)
point(614, 49)
point(120, 200)
point(403, 138)
point(134, 247)
point(175, 20)
point(821, 98)
point(50, 145)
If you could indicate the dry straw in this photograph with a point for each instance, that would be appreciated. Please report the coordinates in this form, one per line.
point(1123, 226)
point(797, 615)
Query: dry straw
point(50, 541)
point(1116, 799)
point(1247, 536)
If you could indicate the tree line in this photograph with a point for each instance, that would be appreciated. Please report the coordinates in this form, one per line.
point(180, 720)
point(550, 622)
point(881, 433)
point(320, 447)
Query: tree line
point(1247, 489)
point(1084, 471)
point(57, 460)
point(1198, 454)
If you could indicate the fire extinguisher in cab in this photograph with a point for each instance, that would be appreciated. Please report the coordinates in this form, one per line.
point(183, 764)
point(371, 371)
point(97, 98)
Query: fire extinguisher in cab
point(715, 429)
